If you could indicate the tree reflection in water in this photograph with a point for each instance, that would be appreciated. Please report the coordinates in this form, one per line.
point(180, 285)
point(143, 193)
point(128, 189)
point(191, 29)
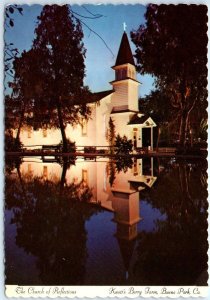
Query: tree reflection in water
point(50, 223)
point(117, 166)
point(50, 219)
point(176, 253)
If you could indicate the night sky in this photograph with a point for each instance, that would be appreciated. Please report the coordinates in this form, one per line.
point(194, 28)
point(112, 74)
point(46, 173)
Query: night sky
point(99, 58)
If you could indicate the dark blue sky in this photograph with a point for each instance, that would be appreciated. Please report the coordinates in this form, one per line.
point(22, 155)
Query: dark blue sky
point(98, 58)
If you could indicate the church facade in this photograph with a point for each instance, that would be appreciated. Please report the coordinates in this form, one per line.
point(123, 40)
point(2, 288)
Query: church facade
point(120, 104)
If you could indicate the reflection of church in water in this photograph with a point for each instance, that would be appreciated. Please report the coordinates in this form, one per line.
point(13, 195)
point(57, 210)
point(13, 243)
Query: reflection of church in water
point(122, 198)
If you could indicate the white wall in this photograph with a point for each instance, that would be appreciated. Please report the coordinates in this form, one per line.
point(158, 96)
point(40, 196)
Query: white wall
point(30, 137)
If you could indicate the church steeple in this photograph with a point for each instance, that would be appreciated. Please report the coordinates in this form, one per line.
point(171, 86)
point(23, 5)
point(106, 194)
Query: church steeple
point(124, 66)
point(124, 54)
point(125, 84)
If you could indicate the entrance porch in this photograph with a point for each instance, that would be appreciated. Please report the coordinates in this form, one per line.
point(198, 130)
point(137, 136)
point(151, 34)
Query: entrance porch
point(142, 132)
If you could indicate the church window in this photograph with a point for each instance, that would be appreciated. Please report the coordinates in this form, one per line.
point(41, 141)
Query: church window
point(44, 132)
point(104, 124)
point(29, 168)
point(124, 73)
point(135, 137)
point(29, 131)
point(105, 180)
point(118, 74)
point(45, 172)
point(121, 74)
point(85, 177)
point(135, 169)
point(84, 127)
point(30, 172)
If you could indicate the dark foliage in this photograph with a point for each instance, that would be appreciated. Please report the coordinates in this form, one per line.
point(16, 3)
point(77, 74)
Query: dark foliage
point(58, 211)
point(123, 145)
point(176, 250)
point(11, 144)
point(172, 46)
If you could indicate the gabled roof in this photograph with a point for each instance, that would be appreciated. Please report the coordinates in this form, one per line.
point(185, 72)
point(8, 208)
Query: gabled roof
point(139, 120)
point(95, 97)
point(124, 54)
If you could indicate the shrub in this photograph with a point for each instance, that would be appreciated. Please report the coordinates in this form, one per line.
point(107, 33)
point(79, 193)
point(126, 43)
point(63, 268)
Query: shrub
point(123, 145)
point(11, 144)
point(71, 147)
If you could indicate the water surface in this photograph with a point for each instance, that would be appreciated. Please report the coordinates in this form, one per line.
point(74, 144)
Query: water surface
point(141, 222)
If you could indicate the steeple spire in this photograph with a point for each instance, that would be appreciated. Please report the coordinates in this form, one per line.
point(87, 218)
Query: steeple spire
point(124, 26)
point(124, 54)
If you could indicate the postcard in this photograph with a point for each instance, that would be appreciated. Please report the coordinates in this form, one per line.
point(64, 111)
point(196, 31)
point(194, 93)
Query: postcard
point(105, 150)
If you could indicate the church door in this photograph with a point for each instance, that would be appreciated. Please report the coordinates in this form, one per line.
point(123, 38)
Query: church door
point(136, 138)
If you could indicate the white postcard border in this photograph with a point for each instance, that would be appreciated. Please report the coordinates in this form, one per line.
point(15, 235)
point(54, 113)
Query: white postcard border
point(106, 291)
point(15, 291)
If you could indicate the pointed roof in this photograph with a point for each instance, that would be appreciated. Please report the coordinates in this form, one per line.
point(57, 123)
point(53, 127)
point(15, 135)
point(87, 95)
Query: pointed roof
point(126, 249)
point(136, 119)
point(124, 54)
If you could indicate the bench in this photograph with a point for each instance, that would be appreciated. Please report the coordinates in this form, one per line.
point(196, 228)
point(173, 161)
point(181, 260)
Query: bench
point(141, 150)
point(90, 150)
point(55, 148)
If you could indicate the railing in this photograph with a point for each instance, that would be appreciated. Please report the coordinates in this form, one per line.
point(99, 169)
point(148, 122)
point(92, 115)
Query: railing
point(81, 149)
point(56, 148)
point(166, 150)
point(95, 150)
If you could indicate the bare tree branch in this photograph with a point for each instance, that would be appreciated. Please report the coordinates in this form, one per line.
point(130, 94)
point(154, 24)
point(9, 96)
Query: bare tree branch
point(91, 30)
point(91, 12)
point(86, 17)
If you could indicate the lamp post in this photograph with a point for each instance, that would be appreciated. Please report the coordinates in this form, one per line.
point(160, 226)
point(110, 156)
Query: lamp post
point(158, 137)
point(152, 138)
point(191, 136)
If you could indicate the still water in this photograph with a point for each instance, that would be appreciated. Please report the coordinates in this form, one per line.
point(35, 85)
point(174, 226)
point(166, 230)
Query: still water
point(85, 222)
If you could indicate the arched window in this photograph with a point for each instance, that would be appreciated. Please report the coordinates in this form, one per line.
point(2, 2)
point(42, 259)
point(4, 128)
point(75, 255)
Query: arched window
point(104, 124)
point(44, 132)
point(124, 73)
point(29, 131)
point(118, 74)
point(84, 127)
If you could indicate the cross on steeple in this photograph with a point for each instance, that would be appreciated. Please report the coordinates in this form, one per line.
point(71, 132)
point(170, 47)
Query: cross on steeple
point(124, 26)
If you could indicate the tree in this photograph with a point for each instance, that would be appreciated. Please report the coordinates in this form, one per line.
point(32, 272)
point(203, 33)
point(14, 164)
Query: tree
point(10, 52)
point(111, 135)
point(19, 105)
point(158, 105)
point(172, 46)
point(123, 145)
point(58, 70)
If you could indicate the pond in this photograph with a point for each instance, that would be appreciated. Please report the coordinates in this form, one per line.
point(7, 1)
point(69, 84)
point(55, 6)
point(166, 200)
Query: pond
point(124, 222)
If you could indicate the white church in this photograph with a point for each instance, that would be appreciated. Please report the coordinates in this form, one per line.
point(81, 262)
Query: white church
point(120, 104)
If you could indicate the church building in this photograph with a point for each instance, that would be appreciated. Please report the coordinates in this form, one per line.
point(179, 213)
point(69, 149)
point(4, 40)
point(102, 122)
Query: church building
point(121, 104)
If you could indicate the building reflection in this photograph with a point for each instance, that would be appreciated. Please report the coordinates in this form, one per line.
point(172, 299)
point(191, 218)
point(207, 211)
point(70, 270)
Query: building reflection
point(126, 206)
point(122, 197)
